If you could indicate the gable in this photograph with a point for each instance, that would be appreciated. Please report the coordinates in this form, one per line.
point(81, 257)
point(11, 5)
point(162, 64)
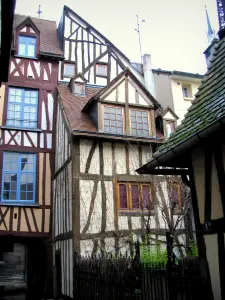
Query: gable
point(126, 88)
point(87, 47)
point(169, 116)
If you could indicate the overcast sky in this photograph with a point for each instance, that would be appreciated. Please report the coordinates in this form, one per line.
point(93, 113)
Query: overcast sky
point(174, 31)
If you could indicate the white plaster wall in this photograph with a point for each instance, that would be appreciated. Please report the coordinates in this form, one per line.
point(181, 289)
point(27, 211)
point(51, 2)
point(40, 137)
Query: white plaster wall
point(85, 147)
point(86, 188)
point(146, 153)
point(120, 158)
point(133, 158)
point(181, 105)
point(109, 206)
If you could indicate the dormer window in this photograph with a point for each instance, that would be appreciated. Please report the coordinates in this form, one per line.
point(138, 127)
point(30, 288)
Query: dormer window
point(101, 70)
point(79, 88)
point(69, 70)
point(113, 119)
point(27, 46)
point(170, 127)
point(139, 122)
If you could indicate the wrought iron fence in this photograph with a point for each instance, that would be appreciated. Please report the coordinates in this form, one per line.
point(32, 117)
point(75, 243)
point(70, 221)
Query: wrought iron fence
point(104, 277)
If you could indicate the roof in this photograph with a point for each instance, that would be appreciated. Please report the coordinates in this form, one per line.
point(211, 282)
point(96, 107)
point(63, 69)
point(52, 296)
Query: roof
point(168, 109)
point(124, 73)
point(206, 110)
point(73, 105)
point(49, 42)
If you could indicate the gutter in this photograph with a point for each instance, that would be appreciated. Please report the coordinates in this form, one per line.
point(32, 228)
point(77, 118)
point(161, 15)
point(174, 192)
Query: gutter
point(186, 144)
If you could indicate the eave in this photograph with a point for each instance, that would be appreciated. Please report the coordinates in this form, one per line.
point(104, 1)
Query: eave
point(177, 156)
point(114, 137)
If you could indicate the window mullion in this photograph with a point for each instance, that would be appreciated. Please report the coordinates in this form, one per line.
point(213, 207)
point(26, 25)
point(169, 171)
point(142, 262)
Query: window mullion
point(18, 185)
point(22, 108)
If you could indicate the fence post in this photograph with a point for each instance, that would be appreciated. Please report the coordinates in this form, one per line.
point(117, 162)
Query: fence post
point(169, 266)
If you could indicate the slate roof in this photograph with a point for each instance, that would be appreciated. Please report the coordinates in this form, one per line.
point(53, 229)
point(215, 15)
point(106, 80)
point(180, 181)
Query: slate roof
point(208, 106)
point(49, 42)
point(73, 105)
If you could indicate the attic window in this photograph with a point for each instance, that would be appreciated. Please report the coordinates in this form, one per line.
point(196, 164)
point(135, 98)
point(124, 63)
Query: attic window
point(170, 127)
point(101, 70)
point(27, 46)
point(69, 70)
point(79, 88)
point(187, 92)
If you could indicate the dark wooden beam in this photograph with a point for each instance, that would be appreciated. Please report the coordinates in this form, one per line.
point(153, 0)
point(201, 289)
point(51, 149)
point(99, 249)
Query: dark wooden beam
point(208, 183)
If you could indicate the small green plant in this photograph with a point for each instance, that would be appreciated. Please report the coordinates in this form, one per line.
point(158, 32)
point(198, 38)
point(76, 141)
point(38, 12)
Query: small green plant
point(193, 248)
point(153, 256)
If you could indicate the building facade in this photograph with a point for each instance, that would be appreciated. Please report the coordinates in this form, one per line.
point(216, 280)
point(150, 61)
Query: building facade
point(27, 111)
point(108, 125)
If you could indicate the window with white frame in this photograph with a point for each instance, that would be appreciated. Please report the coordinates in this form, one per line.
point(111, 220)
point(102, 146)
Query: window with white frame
point(79, 88)
point(187, 92)
point(69, 69)
point(18, 178)
point(27, 46)
point(22, 107)
point(101, 69)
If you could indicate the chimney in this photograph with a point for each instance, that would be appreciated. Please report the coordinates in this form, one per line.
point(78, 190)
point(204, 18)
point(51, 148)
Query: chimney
point(148, 74)
point(209, 51)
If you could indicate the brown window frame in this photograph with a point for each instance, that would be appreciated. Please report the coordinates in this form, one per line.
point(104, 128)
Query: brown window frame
point(129, 196)
point(148, 118)
point(103, 118)
point(83, 88)
point(178, 188)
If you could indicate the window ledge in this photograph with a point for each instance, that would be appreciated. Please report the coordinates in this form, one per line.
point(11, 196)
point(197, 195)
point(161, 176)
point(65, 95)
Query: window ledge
point(20, 56)
point(188, 98)
point(20, 204)
point(135, 213)
point(21, 128)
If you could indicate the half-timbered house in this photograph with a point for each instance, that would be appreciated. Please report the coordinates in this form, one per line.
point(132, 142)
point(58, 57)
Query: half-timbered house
point(27, 136)
point(108, 124)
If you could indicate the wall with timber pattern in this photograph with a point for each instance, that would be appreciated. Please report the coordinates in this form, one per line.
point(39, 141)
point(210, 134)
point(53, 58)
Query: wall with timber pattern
point(208, 197)
point(62, 209)
point(99, 223)
point(41, 75)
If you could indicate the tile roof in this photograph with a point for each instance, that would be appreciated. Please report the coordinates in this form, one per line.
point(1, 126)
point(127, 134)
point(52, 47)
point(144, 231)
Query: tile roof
point(49, 42)
point(73, 105)
point(207, 108)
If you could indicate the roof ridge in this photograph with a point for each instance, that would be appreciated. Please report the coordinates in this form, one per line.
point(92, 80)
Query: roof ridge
point(28, 16)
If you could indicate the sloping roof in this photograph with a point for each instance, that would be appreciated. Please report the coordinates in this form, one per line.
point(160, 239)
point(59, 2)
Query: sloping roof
point(49, 42)
point(124, 73)
point(73, 105)
point(207, 109)
point(168, 109)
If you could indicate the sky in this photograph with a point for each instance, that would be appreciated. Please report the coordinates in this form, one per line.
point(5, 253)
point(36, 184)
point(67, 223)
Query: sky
point(174, 31)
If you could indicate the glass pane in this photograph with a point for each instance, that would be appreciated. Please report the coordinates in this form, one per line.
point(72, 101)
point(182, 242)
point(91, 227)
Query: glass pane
point(106, 116)
point(23, 196)
point(169, 129)
point(12, 195)
point(31, 50)
point(112, 117)
point(69, 70)
point(123, 196)
point(22, 49)
point(79, 89)
point(101, 70)
point(134, 195)
point(30, 196)
point(106, 122)
point(146, 196)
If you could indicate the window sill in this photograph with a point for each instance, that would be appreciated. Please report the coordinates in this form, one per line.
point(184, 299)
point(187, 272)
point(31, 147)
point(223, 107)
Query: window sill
point(127, 212)
point(188, 98)
point(22, 128)
point(20, 204)
point(20, 56)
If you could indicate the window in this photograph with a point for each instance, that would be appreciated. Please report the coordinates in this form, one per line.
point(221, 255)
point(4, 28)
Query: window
point(79, 88)
point(139, 123)
point(169, 128)
point(22, 108)
point(101, 70)
point(187, 92)
point(135, 196)
point(113, 119)
point(174, 194)
point(18, 177)
point(27, 46)
point(69, 70)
